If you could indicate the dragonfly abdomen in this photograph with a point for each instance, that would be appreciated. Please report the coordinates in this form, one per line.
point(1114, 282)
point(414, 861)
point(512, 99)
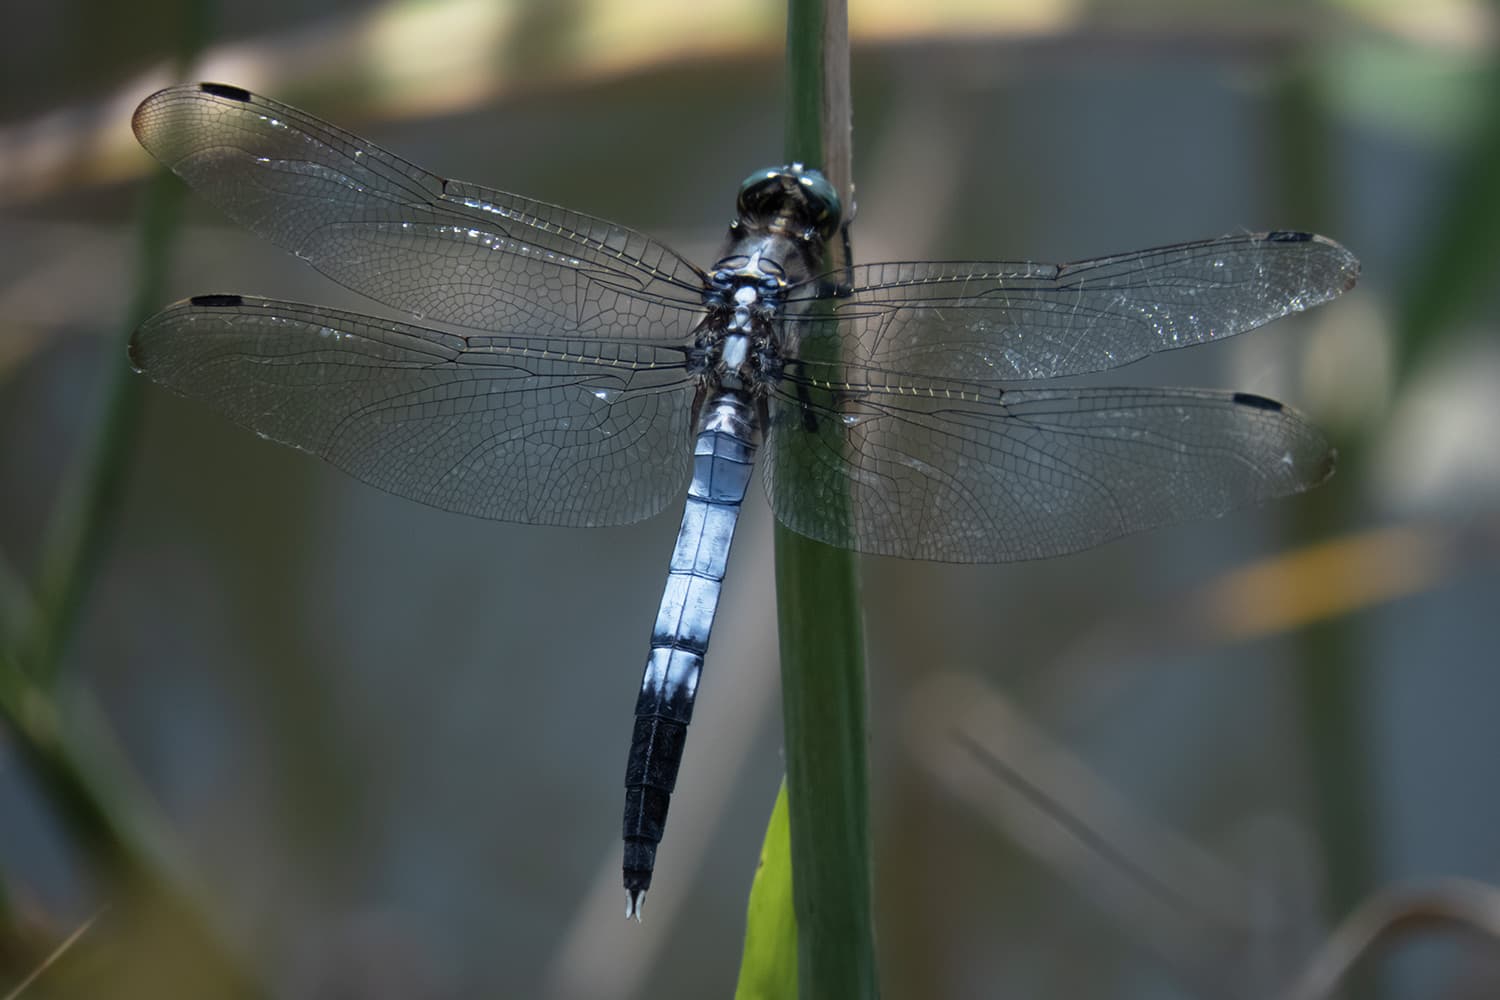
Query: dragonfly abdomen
point(723, 457)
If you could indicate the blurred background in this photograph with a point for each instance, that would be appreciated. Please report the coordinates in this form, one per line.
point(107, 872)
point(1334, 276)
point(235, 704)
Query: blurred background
point(266, 725)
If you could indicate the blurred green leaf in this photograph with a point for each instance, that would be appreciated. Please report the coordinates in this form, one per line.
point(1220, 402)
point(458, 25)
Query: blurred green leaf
point(768, 967)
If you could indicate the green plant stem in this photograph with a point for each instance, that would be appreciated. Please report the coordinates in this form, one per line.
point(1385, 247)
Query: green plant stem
point(1329, 683)
point(123, 956)
point(827, 773)
point(80, 805)
point(84, 519)
point(76, 537)
point(1448, 279)
point(824, 701)
point(1454, 273)
point(153, 940)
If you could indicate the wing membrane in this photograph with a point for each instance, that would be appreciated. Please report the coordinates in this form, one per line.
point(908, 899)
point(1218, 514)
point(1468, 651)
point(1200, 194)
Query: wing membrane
point(529, 429)
point(437, 249)
point(969, 473)
point(1020, 321)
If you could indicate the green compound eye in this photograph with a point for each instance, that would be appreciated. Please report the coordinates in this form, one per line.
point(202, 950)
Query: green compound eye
point(792, 190)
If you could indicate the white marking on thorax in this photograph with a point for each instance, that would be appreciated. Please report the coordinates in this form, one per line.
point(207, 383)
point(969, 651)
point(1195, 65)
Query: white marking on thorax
point(746, 298)
point(736, 348)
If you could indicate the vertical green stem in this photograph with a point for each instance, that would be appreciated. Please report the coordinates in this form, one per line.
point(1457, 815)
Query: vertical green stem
point(1329, 683)
point(1450, 275)
point(83, 520)
point(824, 701)
point(827, 773)
point(152, 938)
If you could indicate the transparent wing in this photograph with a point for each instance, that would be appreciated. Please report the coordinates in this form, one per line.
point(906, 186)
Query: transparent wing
point(526, 429)
point(968, 473)
point(437, 249)
point(1019, 321)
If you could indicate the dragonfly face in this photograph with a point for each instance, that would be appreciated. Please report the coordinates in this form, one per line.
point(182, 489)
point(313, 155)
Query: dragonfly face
point(791, 199)
point(560, 369)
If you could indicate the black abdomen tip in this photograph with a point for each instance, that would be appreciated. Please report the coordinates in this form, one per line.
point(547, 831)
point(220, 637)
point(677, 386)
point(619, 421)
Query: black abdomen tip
point(217, 301)
point(225, 90)
point(640, 858)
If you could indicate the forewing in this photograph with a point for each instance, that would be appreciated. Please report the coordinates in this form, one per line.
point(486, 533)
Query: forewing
point(968, 473)
point(437, 249)
point(1007, 322)
point(526, 429)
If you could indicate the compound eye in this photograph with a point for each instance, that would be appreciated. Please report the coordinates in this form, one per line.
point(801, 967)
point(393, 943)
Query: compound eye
point(791, 191)
point(822, 201)
point(763, 192)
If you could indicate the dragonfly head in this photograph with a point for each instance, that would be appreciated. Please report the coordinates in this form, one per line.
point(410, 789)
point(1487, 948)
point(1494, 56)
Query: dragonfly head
point(791, 197)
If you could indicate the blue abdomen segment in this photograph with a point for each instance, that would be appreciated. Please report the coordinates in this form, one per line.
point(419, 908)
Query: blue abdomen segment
point(723, 457)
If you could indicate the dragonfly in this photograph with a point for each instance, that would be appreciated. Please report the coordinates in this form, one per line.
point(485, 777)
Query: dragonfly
point(555, 368)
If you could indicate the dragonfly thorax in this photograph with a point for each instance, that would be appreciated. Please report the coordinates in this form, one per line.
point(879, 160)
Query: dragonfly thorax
point(737, 341)
point(786, 216)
